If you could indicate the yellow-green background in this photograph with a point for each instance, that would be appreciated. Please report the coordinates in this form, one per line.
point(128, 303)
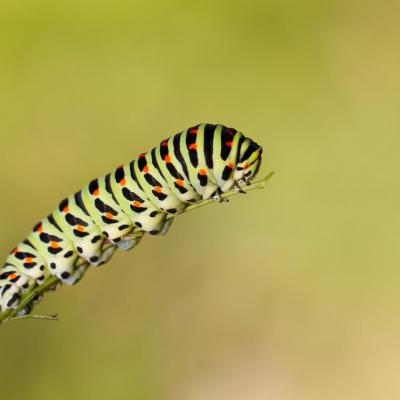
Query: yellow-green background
point(290, 293)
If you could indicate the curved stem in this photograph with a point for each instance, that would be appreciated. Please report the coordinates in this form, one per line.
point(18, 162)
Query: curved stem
point(12, 314)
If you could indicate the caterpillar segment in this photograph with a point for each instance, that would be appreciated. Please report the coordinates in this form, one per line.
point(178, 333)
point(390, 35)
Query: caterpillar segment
point(116, 210)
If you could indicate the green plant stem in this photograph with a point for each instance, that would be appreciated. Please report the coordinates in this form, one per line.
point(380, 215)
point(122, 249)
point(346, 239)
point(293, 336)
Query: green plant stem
point(52, 280)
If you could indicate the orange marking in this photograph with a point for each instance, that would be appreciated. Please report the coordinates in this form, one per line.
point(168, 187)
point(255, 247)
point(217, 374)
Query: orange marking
point(157, 189)
point(146, 169)
point(246, 165)
point(137, 204)
point(96, 193)
point(195, 131)
point(12, 276)
point(15, 250)
point(180, 182)
point(109, 215)
point(28, 260)
point(66, 209)
point(80, 228)
point(230, 165)
point(123, 182)
point(142, 155)
point(167, 158)
point(39, 229)
point(202, 172)
point(164, 143)
point(229, 144)
point(193, 146)
point(54, 245)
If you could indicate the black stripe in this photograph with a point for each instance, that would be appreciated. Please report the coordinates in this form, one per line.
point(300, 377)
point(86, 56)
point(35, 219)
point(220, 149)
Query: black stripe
point(79, 202)
point(109, 188)
point(52, 221)
point(133, 174)
point(155, 163)
point(209, 144)
point(178, 154)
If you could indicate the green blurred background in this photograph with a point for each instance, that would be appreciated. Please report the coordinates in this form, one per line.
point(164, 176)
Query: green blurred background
point(287, 293)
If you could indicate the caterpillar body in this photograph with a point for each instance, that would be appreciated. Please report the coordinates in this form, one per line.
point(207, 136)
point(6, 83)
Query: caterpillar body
point(116, 210)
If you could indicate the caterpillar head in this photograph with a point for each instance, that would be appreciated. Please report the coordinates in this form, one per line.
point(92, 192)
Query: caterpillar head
point(249, 162)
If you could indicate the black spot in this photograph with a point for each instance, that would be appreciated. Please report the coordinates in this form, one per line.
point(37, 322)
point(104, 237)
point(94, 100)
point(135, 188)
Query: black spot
point(96, 239)
point(161, 196)
point(123, 227)
point(80, 233)
point(104, 208)
point(72, 220)
point(68, 254)
point(151, 180)
point(53, 250)
point(53, 265)
point(108, 221)
point(131, 196)
point(14, 298)
point(226, 173)
point(119, 174)
point(172, 211)
point(202, 179)
point(93, 186)
point(154, 232)
point(153, 214)
point(79, 250)
point(138, 209)
point(65, 275)
point(63, 204)
point(42, 268)
point(142, 162)
point(138, 224)
point(94, 259)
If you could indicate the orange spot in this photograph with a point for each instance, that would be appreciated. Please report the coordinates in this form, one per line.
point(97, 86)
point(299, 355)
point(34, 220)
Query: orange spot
point(80, 228)
point(167, 158)
point(28, 260)
point(246, 165)
point(202, 172)
point(180, 182)
point(66, 209)
point(109, 215)
point(146, 169)
point(157, 189)
point(12, 276)
point(96, 193)
point(54, 245)
point(142, 155)
point(229, 144)
point(123, 182)
point(195, 131)
point(15, 250)
point(164, 143)
point(39, 228)
point(230, 165)
point(192, 146)
point(137, 204)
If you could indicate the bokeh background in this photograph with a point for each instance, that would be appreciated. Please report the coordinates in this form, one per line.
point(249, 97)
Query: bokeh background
point(288, 293)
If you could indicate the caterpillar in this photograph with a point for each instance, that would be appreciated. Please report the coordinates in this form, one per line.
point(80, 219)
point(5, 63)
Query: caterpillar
point(114, 211)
